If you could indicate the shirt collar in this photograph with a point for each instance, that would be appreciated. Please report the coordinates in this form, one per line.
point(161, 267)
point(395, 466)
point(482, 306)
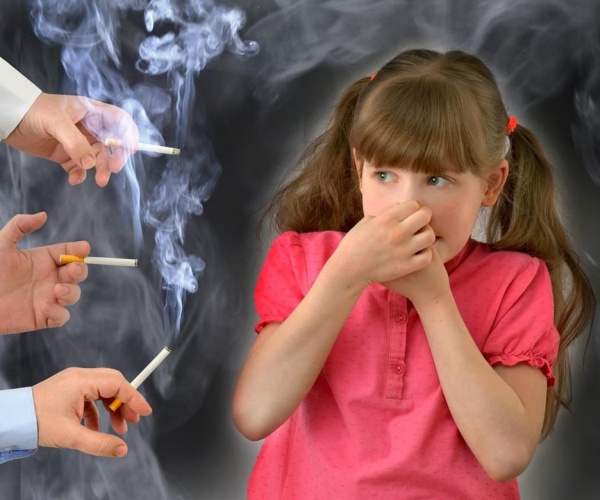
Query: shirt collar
point(453, 263)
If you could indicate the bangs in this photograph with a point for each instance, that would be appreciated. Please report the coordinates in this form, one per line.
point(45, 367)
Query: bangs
point(435, 126)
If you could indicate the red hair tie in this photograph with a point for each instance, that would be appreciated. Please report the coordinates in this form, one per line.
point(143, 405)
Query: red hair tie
point(373, 76)
point(512, 125)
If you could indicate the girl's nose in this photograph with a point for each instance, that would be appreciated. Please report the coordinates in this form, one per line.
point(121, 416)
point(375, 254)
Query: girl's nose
point(411, 191)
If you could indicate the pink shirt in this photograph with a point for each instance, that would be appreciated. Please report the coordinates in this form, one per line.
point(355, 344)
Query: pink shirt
point(376, 425)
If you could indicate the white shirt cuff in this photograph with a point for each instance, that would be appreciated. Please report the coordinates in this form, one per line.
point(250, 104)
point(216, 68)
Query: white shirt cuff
point(17, 94)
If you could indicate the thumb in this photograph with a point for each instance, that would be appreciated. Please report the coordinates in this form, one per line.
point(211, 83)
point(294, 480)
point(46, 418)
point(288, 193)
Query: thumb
point(95, 443)
point(19, 226)
point(74, 143)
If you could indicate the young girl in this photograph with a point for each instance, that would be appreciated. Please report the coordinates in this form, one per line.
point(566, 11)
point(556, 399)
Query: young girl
point(397, 356)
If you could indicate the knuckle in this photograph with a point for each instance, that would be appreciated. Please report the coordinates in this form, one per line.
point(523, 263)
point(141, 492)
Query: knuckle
point(73, 372)
point(431, 235)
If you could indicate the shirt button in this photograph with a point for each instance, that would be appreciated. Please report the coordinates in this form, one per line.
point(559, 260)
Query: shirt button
point(399, 368)
point(401, 318)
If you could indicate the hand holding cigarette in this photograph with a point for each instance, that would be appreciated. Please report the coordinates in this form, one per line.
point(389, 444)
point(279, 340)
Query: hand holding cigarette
point(34, 287)
point(62, 401)
point(68, 130)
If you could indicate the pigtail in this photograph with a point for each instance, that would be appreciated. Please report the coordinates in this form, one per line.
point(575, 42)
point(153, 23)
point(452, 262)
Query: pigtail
point(525, 219)
point(325, 193)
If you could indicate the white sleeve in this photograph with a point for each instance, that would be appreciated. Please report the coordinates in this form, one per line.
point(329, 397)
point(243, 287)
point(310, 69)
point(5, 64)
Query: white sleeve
point(18, 424)
point(17, 94)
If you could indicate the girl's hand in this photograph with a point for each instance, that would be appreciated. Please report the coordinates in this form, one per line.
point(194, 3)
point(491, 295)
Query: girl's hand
point(388, 246)
point(424, 285)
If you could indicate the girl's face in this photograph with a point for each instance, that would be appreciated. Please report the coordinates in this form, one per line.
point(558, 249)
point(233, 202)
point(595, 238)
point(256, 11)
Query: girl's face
point(453, 198)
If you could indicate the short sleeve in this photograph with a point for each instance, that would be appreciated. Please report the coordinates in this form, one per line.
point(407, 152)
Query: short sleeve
point(281, 284)
point(523, 329)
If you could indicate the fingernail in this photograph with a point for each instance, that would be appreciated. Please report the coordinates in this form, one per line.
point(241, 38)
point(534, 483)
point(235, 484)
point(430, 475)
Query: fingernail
point(77, 271)
point(120, 451)
point(88, 161)
point(63, 290)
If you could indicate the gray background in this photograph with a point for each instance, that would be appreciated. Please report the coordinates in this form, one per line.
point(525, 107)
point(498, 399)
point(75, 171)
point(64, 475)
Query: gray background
point(246, 117)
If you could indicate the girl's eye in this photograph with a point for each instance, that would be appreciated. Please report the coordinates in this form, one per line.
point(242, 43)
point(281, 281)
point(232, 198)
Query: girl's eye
point(384, 176)
point(436, 180)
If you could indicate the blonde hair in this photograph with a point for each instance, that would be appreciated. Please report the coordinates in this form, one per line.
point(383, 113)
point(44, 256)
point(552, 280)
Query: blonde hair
point(432, 111)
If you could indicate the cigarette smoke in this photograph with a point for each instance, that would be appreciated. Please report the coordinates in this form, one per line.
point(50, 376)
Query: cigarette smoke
point(539, 49)
point(195, 33)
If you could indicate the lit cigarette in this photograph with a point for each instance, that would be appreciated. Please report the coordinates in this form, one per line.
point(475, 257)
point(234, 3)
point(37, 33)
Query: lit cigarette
point(151, 148)
point(137, 381)
point(100, 261)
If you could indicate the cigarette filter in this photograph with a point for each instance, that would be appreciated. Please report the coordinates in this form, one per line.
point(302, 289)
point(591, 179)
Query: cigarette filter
point(143, 375)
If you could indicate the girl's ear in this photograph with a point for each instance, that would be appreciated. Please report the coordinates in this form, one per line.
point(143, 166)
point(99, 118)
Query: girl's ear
point(495, 181)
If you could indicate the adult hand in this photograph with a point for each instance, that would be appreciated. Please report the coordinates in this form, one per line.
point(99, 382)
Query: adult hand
point(34, 286)
point(70, 130)
point(64, 400)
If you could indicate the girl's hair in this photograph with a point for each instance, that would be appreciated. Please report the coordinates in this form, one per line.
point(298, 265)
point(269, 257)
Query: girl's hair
point(430, 112)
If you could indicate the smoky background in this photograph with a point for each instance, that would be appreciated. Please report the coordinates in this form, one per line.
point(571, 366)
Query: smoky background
point(242, 115)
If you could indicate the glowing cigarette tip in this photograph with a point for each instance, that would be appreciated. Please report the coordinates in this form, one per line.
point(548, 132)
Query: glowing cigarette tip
point(100, 261)
point(142, 146)
point(144, 374)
